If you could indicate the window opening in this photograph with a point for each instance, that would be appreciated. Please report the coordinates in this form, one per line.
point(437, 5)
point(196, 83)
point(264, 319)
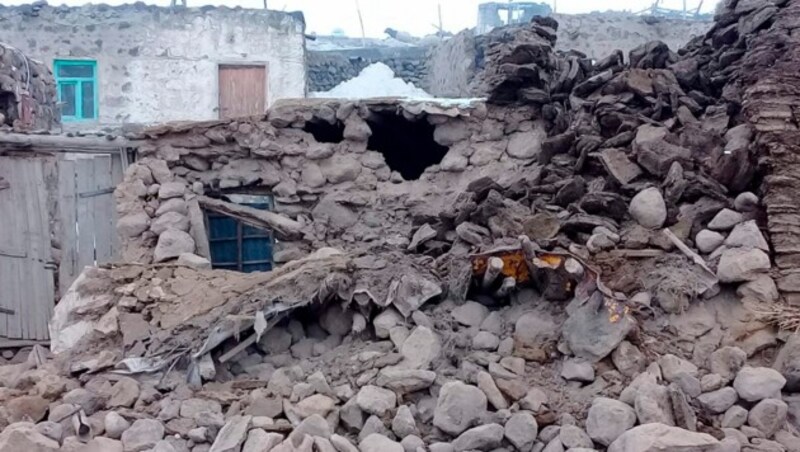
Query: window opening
point(76, 82)
point(237, 246)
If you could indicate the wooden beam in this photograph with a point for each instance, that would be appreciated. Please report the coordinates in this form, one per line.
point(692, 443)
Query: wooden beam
point(63, 143)
point(282, 226)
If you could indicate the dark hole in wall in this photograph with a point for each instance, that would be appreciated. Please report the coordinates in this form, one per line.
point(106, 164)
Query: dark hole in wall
point(407, 146)
point(325, 132)
point(8, 107)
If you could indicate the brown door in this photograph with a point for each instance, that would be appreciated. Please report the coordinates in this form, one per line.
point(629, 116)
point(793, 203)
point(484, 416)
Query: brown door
point(242, 91)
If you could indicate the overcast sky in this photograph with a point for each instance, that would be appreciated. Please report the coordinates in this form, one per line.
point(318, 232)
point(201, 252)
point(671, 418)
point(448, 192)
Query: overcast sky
point(414, 16)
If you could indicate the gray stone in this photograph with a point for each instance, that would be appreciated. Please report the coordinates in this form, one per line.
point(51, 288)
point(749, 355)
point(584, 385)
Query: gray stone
point(652, 404)
point(762, 289)
point(672, 366)
point(458, 407)
point(521, 430)
point(374, 424)
point(259, 440)
point(421, 348)
point(194, 261)
point(172, 243)
point(172, 205)
point(170, 220)
point(554, 446)
point(336, 320)
point(311, 175)
point(725, 220)
point(23, 437)
point(656, 437)
point(493, 323)
point(423, 234)
point(163, 446)
point(470, 314)
point(124, 393)
point(115, 425)
point(737, 265)
point(385, 321)
point(351, 415)
point(747, 235)
point(758, 383)
point(133, 225)
point(451, 132)
point(379, 443)
point(403, 423)
point(485, 341)
point(198, 408)
point(171, 190)
point(232, 435)
point(527, 145)
point(441, 447)
point(768, 416)
point(608, 419)
point(707, 240)
point(573, 436)
point(315, 404)
point(340, 168)
point(411, 443)
point(648, 208)
point(711, 382)
point(142, 435)
point(718, 401)
point(577, 370)
point(314, 425)
point(485, 437)
point(628, 360)
point(534, 399)
point(727, 361)
point(735, 417)
point(487, 384)
point(52, 430)
point(405, 381)
point(746, 202)
point(591, 334)
point(376, 400)
point(342, 444)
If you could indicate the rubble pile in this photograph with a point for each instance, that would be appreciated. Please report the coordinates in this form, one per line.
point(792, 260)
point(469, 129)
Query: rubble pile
point(582, 270)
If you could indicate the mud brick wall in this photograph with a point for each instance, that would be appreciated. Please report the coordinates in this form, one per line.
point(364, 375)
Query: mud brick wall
point(345, 192)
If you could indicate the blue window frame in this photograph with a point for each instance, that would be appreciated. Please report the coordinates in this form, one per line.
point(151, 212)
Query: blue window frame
point(237, 246)
point(77, 89)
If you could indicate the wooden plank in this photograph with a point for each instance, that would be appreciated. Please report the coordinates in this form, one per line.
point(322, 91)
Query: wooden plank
point(63, 143)
point(242, 91)
point(68, 269)
point(284, 227)
point(44, 275)
point(7, 276)
point(85, 183)
point(117, 173)
point(28, 288)
point(102, 207)
point(197, 228)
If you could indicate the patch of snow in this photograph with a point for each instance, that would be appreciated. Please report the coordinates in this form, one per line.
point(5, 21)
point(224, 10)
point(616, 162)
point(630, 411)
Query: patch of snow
point(375, 80)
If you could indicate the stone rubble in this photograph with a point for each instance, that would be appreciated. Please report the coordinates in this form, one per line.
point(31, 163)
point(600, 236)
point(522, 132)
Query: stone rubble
point(545, 313)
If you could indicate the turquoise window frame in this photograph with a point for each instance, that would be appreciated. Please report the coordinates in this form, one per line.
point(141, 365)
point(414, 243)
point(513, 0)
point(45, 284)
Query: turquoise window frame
point(78, 82)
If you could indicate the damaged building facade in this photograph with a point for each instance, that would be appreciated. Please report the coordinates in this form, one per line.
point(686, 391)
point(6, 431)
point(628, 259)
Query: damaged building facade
point(598, 256)
point(146, 64)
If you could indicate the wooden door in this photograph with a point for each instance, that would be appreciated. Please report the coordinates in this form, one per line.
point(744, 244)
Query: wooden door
point(242, 91)
point(26, 263)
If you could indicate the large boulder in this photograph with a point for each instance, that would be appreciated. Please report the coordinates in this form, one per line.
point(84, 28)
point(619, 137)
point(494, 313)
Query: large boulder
point(737, 265)
point(143, 435)
point(172, 243)
point(648, 208)
point(788, 363)
point(663, 438)
point(459, 407)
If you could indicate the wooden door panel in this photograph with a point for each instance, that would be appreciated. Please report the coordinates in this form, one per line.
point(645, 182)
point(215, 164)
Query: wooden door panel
point(242, 91)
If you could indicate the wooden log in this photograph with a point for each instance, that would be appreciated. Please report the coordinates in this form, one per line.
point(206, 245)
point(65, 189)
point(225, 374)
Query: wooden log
point(283, 227)
point(63, 143)
point(493, 270)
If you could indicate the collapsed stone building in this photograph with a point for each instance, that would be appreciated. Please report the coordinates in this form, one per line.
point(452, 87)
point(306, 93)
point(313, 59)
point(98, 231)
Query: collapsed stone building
point(599, 256)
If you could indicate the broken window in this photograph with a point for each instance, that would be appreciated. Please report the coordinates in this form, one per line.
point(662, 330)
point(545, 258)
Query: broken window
point(77, 89)
point(325, 132)
point(407, 145)
point(237, 246)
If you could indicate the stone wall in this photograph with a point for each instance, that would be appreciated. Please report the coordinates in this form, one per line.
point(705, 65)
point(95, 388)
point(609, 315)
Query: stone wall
point(343, 194)
point(160, 64)
point(326, 69)
point(27, 92)
point(454, 63)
